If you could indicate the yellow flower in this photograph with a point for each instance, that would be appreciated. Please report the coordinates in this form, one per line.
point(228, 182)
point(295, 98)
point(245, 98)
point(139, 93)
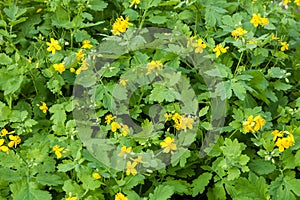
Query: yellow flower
point(53, 45)
point(57, 150)
point(96, 175)
point(168, 145)
point(115, 126)
point(109, 118)
point(86, 44)
point(297, 2)
point(123, 82)
point(238, 32)
point(124, 151)
point(253, 124)
point(72, 70)
point(285, 142)
point(219, 49)
point(71, 198)
point(277, 134)
point(120, 25)
point(138, 160)
point(125, 130)
point(264, 21)
point(120, 196)
point(259, 123)
point(256, 18)
point(185, 122)
point(59, 67)
point(80, 55)
point(168, 116)
point(135, 2)
point(176, 118)
point(43, 107)
point(15, 140)
point(284, 46)
point(2, 147)
point(5, 132)
point(285, 2)
point(199, 46)
point(39, 10)
point(153, 65)
point(274, 37)
point(130, 168)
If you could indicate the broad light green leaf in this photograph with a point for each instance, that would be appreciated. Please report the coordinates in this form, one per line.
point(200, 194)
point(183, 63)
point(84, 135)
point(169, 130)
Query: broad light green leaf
point(161, 192)
point(4, 59)
point(28, 191)
point(97, 5)
point(261, 166)
point(49, 179)
point(239, 90)
point(199, 184)
point(158, 19)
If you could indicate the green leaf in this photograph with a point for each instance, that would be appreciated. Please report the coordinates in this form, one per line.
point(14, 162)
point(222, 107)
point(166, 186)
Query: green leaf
point(180, 186)
point(161, 192)
point(278, 85)
point(223, 89)
point(293, 184)
point(239, 90)
point(158, 19)
point(199, 184)
point(276, 72)
point(131, 182)
point(160, 93)
point(203, 111)
point(28, 191)
point(261, 167)
point(49, 179)
point(97, 5)
point(233, 173)
point(4, 59)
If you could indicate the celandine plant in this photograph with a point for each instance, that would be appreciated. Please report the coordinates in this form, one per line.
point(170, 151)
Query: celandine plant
point(149, 99)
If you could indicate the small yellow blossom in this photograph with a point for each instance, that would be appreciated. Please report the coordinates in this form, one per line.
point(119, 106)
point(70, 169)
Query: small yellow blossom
point(124, 151)
point(120, 196)
point(297, 2)
point(3, 147)
point(153, 65)
point(255, 19)
point(199, 46)
point(253, 124)
point(72, 70)
point(123, 82)
point(53, 45)
point(168, 116)
point(120, 25)
point(284, 46)
point(168, 145)
point(15, 140)
point(109, 118)
point(39, 10)
point(115, 126)
point(219, 49)
point(125, 130)
point(71, 198)
point(80, 55)
point(264, 21)
point(86, 44)
point(274, 37)
point(238, 32)
point(276, 134)
point(59, 67)
point(43, 107)
point(135, 2)
point(78, 71)
point(138, 160)
point(287, 140)
point(130, 168)
point(96, 175)
point(57, 150)
point(285, 2)
point(5, 132)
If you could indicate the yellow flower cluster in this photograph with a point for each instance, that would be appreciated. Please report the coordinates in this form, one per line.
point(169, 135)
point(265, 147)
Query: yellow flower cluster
point(120, 196)
point(14, 140)
point(284, 45)
point(134, 2)
point(57, 150)
point(120, 25)
point(283, 139)
point(115, 126)
point(86, 44)
point(258, 20)
point(297, 2)
point(181, 122)
point(238, 32)
point(151, 66)
point(168, 145)
point(253, 124)
point(59, 67)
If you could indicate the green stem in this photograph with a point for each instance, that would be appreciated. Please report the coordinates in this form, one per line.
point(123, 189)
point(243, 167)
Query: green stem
point(240, 59)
